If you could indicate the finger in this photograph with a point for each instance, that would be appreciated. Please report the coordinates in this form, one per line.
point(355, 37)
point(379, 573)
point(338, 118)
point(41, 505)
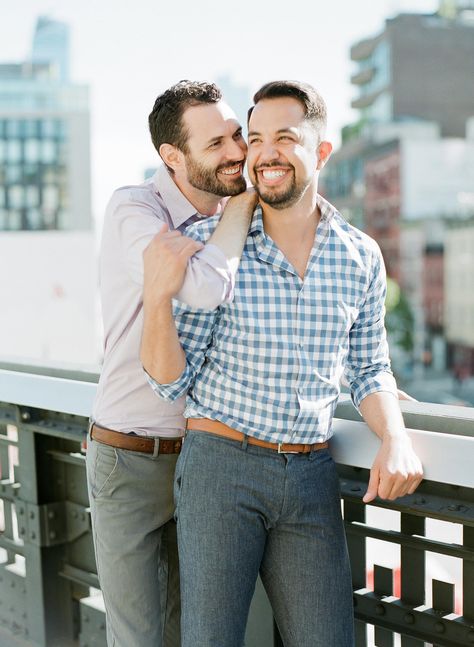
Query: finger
point(179, 244)
point(373, 486)
point(386, 486)
point(414, 485)
point(164, 228)
point(190, 248)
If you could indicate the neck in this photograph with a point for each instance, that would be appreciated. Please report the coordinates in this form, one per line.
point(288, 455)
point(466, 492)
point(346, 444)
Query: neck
point(296, 219)
point(205, 203)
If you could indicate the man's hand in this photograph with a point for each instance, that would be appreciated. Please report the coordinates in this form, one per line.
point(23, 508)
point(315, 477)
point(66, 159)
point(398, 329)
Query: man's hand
point(396, 470)
point(165, 261)
point(246, 200)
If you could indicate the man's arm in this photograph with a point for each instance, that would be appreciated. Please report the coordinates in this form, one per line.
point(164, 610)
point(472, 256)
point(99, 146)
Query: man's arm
point(396, 470)
point(206, 274)
point(170, 369)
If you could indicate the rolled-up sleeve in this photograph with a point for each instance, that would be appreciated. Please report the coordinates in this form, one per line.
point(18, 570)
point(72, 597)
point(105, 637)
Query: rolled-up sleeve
point(368, 363)
point(209, 280)
point(195, 328)
point(210, 277)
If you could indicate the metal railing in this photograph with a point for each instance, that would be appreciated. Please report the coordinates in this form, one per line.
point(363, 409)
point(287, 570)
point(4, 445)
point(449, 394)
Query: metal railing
point(49, 591)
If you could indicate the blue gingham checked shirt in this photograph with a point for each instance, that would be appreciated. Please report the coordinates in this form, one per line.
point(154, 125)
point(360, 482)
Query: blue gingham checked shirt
point(270, 363)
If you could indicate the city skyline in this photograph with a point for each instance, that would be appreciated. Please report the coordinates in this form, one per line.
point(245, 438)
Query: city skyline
point(208, 45)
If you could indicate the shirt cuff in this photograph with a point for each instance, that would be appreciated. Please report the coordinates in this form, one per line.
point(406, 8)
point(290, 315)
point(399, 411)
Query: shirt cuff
point(383, 381)
point(173, 390)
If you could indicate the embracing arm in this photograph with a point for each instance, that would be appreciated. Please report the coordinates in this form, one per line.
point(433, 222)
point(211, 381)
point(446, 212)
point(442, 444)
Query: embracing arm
point(171, 369)
point(206, 273)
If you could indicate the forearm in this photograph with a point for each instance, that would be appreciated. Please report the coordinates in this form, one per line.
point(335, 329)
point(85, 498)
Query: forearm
point(231, 232)
point(381, 411)
point(161, 353)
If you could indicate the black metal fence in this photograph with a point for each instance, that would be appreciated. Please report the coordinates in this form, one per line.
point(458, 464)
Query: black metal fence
point(48, 583)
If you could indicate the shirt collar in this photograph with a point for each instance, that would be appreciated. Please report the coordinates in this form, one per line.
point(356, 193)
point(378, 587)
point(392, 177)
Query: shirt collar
point(179, 207)
point(325, 207)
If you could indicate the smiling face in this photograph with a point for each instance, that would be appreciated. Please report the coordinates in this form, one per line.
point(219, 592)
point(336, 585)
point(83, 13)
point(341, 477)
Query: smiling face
point(215, 149)
point(284, 154)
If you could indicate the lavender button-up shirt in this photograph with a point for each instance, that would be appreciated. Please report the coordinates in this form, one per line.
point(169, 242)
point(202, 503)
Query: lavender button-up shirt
point(124, 400)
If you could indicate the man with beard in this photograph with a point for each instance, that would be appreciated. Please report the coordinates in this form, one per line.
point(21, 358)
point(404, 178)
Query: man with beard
point(135, 438)
point(256, 489)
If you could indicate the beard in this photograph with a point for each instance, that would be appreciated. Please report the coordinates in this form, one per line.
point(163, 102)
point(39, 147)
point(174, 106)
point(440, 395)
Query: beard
point(206, 178)
point(280, 198)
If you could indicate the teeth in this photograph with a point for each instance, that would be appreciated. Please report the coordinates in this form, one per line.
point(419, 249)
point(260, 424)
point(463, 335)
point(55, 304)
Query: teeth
point(271, 175)
point(231, 171)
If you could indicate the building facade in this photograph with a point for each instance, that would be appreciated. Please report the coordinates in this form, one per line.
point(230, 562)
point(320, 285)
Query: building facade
point(44, 139)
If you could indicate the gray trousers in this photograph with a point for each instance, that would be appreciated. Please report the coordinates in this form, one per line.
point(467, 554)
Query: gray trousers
point(131, 498)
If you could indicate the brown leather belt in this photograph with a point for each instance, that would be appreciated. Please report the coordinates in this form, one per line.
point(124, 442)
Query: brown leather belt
point(136, 443)
point(220, 429)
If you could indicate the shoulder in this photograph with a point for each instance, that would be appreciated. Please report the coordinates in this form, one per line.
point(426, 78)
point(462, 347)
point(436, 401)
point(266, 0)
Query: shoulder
point(203, 229)
point(353, 237)
point(135, 200)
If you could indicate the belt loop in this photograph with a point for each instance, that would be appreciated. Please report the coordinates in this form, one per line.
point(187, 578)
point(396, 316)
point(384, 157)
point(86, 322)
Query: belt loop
point(156, 447)
point(89, 427)
point(245, 442)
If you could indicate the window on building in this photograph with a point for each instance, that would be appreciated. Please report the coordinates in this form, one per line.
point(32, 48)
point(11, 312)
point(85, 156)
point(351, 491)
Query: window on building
point(48, 151)
point(14, 219)
point(32, 150)
point(13, 128)
point(50, 197)
point(16, 196)
point(33, 219)
point(32, 196)
point(13, 150)
point(13, 174)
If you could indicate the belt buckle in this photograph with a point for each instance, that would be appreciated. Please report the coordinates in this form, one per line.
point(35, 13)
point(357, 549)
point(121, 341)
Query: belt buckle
point(280, 450)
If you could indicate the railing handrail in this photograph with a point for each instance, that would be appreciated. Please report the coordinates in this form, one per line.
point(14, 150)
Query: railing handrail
point(446, 455)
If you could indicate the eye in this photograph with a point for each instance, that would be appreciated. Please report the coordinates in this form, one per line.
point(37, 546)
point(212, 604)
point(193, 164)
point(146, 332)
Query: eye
point(285, 138)
point(253, 140)
point(238, 135)
point(214, 144)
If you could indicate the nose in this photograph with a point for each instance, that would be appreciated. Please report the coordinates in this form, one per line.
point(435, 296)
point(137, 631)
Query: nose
point(268, 152)
point(236, 149)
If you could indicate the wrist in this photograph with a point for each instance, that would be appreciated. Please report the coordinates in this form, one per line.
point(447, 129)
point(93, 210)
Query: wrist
point(157, 302)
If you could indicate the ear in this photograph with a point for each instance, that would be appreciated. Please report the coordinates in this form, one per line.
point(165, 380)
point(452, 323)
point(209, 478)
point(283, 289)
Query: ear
point(324, 152)
point(171, 156)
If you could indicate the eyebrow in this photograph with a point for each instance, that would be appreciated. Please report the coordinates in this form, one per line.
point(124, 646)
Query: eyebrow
point(289, 129)
point(221, 137)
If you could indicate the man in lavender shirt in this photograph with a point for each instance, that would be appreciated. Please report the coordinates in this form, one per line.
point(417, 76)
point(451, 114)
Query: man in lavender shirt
point(135, 437)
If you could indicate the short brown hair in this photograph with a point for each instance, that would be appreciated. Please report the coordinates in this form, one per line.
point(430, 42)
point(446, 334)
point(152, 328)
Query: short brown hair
point(165, 120)
point(314, 106)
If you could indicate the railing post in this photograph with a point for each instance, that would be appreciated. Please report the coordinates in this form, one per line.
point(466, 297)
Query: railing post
point(354, 511)
point(412, 570)
point(48, 606)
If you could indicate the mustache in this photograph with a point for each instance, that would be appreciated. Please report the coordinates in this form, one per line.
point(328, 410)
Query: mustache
point(271, 165)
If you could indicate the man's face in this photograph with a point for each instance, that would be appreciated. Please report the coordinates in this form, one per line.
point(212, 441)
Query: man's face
point(283, 151)
point(216, 149)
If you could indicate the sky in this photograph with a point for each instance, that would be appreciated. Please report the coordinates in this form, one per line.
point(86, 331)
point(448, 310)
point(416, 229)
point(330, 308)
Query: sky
point(128, 52)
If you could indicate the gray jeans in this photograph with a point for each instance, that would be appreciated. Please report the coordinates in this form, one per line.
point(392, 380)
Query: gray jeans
point(131, 497)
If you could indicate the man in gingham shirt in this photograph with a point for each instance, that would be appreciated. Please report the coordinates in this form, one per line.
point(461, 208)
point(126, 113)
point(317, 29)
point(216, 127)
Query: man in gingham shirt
point(256, 489)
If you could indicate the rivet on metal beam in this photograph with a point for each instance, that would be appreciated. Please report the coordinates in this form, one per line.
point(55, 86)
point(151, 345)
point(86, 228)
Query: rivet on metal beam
point(439, 627)
point(409, 618)
point(380, 609)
